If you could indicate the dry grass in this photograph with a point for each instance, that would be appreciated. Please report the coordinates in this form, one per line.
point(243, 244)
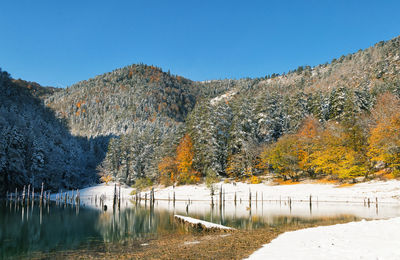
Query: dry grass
point(343, 185)
point(388, 176)
point(384, 174)
point(326, 181)
point(280, 181)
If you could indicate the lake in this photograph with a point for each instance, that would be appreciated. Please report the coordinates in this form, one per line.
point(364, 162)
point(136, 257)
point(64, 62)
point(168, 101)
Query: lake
point(29, 230)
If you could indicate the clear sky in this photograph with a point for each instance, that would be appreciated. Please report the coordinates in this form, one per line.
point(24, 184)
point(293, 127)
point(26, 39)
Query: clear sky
point(58, 43)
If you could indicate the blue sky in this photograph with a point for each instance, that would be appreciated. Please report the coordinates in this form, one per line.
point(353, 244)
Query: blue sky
point(58, 43)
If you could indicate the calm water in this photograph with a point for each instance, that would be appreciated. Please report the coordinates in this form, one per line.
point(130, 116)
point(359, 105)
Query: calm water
point(28, 229)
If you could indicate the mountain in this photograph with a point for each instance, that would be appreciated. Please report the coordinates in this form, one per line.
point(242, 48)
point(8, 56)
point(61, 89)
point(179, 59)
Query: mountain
point(145, 117)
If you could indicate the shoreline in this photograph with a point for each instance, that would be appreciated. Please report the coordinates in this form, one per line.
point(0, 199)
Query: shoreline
point(386, 193)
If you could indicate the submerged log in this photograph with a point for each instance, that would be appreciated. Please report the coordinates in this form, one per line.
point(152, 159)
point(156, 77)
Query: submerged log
point(201, 225)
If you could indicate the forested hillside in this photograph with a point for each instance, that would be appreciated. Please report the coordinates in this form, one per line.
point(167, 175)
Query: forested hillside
point(337, 120)
point(144, 107)
point(256, 128)
point(37, 147)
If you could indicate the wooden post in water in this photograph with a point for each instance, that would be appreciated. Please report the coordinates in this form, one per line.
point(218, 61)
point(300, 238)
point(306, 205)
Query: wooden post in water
point(41, 194)
point(234, 199)
point(115, 196)
point(223, 193)
point(153, 197)
point(249, 198)
point(78, 198)
point(369, 202)
point(28, 193)
point(119, 197)
point(174, 199)
point(23, 196)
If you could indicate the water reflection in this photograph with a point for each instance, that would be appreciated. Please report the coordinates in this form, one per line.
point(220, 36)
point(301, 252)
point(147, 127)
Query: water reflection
point(29, 228)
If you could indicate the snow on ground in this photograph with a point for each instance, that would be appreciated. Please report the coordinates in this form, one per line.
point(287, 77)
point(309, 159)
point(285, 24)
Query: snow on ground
point(201, 222)
point(226, 97)
point(388, 192)
point(385, 192)
point(87, 195)
point(378, 239)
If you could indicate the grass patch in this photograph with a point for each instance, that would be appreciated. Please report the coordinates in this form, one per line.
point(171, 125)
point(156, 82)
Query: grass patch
point(326, 181)
point(280, 181)
point(343, 185)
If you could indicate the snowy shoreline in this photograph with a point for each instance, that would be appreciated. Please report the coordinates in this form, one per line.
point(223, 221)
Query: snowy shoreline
point(385, 192)
point(376, 239)
point(381, 191)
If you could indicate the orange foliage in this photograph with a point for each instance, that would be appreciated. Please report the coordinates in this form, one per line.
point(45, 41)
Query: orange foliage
point(345, 185)
point(384, 143)
point(80, 103)
point(167, 169)
point(184, 161)
point(179, 169)
point(281, 181)
point(309, 128)
point(106, 178)
point(325, 181)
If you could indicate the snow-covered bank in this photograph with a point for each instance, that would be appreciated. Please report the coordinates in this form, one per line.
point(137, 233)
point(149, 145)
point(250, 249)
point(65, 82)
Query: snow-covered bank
point(388, 192)
point(327, 199)
point(378, 239)
point(88, 195)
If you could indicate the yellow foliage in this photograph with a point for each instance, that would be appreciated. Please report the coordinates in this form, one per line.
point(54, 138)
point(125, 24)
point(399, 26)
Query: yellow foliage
point(384, 143)
point(345, 185)
point(283, 156)
point(106, 178)
point(315, 151)
point(167, 170)
point(184, 161)
point(179, 169)
point(255, 180)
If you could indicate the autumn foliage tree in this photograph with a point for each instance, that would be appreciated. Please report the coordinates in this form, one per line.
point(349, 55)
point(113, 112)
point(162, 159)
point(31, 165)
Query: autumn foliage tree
point(314, 151)
point(184, 161)
point(307, 137)
point(167, 170)
point(179, 169)
point(335, 157)
point(282, 157)
point(384, 140)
